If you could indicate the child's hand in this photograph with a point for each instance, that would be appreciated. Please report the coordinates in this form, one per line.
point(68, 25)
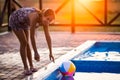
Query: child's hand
point(51, 58)
point(36, 57)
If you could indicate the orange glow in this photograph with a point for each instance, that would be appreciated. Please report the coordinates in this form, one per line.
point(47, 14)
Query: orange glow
point(88, 1)
point(83, 15)
point(85, 1)
point(82, 12)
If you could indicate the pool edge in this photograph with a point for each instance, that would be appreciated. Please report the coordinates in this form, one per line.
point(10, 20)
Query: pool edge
point(45, 71)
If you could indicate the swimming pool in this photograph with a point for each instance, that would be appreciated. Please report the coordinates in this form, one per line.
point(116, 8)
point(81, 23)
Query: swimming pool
point(92, 58)
point(101, 57)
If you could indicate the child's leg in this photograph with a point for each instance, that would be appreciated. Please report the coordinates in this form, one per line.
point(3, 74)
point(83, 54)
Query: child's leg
point(23, 46)
point(29, 55)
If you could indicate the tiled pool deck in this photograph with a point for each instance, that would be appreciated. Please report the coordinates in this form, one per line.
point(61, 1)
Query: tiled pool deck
point(11, 67)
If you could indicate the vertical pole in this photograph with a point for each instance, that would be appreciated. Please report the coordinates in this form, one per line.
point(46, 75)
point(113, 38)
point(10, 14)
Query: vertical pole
point(9, 12)
point(73, 16)
point(105, 12)
point(40, 4)
point(0, 12)
point(3, 12)
point(0, 6)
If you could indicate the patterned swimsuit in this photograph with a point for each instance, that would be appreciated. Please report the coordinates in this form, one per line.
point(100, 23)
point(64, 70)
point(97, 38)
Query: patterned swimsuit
point(19, 19)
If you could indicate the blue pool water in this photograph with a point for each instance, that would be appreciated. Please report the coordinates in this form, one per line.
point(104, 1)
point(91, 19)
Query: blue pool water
point(101, 57)
point(105, 46)
point(104, 51)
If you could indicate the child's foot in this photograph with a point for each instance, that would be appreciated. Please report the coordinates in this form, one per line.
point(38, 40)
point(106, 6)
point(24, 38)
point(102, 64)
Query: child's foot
point(33, 70)
point(27, 72)
point(36, 57)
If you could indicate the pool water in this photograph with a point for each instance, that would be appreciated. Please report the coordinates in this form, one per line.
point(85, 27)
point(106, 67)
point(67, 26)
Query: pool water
point(104, 51)
point(101, 57)
point(100, 62)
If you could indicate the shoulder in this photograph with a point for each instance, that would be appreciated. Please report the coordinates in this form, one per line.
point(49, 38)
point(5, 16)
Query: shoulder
point(33, 18)
point(33, 15)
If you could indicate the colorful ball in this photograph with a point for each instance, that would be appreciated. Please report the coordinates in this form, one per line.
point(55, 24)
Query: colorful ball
point(67, 68)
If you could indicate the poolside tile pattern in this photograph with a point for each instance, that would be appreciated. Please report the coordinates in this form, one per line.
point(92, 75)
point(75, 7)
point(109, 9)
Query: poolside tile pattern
point(11, 66)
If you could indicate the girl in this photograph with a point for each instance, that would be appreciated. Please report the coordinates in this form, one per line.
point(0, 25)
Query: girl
point(23, 23)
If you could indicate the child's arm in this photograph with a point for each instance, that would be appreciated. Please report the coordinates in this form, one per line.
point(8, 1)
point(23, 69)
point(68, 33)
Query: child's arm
point(48, 38)
point(33, 21)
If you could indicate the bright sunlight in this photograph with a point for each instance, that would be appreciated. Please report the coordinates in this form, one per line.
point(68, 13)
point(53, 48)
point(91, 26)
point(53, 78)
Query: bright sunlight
point(85, 1)
point(88, 1)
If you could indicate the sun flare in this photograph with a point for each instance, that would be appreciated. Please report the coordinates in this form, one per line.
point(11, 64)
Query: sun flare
point(88, 1)
point(85, 1)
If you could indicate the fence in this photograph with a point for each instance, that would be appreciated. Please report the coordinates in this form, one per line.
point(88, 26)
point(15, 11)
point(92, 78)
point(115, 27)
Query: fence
point(73, 10)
